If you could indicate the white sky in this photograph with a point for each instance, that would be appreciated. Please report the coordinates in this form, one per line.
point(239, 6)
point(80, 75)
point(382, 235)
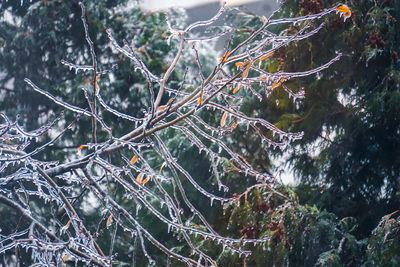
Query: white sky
point(164, 4)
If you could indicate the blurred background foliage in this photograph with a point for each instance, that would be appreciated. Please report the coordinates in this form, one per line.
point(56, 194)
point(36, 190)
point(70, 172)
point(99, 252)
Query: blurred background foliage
point(347, 165)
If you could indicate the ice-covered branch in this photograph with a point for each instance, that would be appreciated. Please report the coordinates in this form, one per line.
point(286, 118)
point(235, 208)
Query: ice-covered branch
point(142, 168)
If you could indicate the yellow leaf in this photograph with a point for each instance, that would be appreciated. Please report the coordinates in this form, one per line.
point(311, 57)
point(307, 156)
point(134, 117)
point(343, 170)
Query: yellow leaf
point(240, 64)
point(223, 119)
point(344, 10)
point(146, 180)
point(236, 89)
point(263, 77)
point(139, 178)
point(246, 70)
point(162, 166)
point(65, 257)
point(266, 56)
point(200, 98)
point(133, 159)
point(225, 57)
point(276, 85)
point(81, 147)
point(95, 82)
point(109, 220)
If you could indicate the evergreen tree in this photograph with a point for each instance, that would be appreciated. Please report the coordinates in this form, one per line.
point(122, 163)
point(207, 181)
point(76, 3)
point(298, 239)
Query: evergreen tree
point(348, 160)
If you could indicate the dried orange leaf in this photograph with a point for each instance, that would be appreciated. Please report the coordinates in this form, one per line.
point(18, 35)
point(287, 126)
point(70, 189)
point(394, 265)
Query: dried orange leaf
point(161, 108)
point(200, 98)
point(247, 69)
point(225, 57)
point(393, 213)
point(81, 147)
point(234, 126)
point(344, 10)
point(65, 257)
point(239, 64)
point(145, 181)
point(133, 159)
point(275, 85)
point(223, 119)
point(109, 220)
point(95, 82)
point(139, 178)
point(266, 56)
point(236, 89)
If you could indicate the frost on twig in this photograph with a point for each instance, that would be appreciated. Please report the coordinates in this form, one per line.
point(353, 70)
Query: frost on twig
point(141, 163)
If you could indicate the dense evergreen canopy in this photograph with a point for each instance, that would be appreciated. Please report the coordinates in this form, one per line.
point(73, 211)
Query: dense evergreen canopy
point(350, 155)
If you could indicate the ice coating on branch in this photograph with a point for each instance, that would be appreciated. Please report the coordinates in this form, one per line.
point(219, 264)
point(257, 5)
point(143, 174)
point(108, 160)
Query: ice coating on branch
point(203, 111)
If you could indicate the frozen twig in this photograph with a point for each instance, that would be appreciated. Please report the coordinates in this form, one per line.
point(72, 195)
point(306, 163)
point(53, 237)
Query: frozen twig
point(203, 111)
